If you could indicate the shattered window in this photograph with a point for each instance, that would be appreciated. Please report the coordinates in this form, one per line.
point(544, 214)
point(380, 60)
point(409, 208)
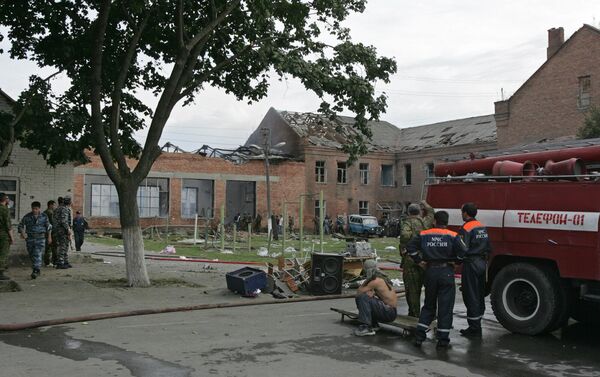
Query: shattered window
point(429, 170)
point(407, 175)
point(363, 207)
point(320, 176)
point(364, 173)
point(318, 209)
point(342, 169)
point(585, 84)
point(387, 175)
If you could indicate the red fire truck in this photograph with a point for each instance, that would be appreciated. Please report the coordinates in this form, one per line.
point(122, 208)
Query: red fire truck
point(542, 217)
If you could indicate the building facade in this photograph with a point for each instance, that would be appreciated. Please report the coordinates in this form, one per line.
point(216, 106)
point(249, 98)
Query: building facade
point(181, 185)
point(554, 101)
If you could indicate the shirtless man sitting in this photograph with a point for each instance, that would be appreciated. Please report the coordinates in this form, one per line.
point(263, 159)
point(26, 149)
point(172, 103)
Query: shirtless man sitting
point(375, 299)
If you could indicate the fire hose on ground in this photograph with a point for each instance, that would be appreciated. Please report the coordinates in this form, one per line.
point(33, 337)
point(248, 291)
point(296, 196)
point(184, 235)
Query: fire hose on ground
point(108, 315)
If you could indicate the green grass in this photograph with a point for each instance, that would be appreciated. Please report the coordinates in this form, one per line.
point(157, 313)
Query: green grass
point(241, 253)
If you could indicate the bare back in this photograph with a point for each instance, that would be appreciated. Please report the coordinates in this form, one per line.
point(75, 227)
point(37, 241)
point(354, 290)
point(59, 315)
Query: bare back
point(387, 295)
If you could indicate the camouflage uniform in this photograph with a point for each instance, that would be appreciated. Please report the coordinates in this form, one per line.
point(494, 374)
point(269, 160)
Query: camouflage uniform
point(62, 216)
point(412, 273)
point(36, 228)
point(50, 252)
point(4, 237)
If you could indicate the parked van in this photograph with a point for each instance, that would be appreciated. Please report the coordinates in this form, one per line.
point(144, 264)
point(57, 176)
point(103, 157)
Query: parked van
point(364, 225)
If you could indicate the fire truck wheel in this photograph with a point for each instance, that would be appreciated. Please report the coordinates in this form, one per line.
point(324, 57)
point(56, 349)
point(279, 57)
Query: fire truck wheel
point(527, 299)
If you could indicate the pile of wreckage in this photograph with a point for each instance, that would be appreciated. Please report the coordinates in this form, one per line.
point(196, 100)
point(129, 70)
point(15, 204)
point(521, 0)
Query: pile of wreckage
point(321, 274)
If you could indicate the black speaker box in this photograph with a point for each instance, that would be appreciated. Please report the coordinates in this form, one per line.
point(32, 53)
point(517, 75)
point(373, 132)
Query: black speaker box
point(326, 274)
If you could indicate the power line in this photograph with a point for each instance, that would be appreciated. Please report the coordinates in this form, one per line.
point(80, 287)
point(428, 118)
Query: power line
point(457, 81)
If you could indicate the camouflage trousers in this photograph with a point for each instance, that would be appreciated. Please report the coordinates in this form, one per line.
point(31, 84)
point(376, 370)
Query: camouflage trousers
point(35, 249)
point(62, 248)
point(4, 248)
point(413, 277)
point(50, 255)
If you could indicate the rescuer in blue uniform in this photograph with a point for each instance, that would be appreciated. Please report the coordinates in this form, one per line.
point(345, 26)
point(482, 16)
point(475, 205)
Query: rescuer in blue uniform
point(436, 249)
point(475, 236)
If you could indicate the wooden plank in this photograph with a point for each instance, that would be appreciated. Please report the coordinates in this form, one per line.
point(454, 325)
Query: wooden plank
point(402, 321)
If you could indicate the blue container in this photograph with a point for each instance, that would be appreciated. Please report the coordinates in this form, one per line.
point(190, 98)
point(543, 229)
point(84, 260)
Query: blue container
point(246, 280)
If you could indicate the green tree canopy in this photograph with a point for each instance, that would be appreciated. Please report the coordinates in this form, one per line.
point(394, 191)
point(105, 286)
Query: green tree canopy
point(112, 50)
point(591, 126)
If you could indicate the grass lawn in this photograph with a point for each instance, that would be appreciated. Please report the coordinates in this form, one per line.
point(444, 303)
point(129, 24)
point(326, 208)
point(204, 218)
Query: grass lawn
point(241, 253)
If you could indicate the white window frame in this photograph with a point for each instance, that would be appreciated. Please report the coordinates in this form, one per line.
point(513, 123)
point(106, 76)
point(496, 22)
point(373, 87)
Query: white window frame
point(391, 166)
point(189, 209)
point(364, 173)
point(363, 207)
point(13, 196)
point(344, 173)
point(320, 171)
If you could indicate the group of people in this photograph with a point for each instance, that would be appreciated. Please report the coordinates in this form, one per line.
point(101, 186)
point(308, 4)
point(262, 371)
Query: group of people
point(430, 253)
point(47, 234)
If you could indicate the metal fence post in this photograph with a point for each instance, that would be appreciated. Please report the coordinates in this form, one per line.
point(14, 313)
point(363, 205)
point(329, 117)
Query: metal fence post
point(249, 238)
point(321, 219)
point(222, 227)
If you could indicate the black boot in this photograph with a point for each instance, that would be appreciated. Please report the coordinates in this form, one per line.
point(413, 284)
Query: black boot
point(470, 332)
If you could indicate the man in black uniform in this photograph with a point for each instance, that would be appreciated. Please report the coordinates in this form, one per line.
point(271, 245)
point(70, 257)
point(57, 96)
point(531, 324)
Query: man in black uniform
point(435, 249)
point(476, 238)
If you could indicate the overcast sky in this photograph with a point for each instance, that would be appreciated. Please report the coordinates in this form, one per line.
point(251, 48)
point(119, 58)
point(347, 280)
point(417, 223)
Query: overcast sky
point(454, 58)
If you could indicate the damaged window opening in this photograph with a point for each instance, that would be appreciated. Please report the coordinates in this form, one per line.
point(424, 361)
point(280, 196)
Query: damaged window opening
point(318, 209)
point(342, 168)
point(197, 198)
point(103, 201)
point(363, 207)
point(320, 172)
point(407, 175)
point(10, 187)
point(584, 97)
point(364, 173)
point(429, 170)
point(387, 175)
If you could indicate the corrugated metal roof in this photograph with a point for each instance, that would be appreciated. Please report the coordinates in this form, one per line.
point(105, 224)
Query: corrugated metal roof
point(474, 130)
point(320, 131)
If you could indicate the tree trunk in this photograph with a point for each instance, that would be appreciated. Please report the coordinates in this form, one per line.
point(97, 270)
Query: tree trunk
point(133, 243)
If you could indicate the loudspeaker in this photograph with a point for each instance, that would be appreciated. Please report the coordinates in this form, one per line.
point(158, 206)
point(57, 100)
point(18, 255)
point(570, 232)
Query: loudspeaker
point(246, 281)
point(326, 274)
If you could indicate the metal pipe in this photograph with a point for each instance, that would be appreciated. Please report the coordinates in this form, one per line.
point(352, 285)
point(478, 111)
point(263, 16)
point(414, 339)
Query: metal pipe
point(485, 165)
point(321, 219)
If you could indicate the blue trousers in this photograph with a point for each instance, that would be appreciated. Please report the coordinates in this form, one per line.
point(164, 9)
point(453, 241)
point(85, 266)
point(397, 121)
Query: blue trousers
point(371, 310)
point(473, 290)
point(440, 291)
point(35, 249)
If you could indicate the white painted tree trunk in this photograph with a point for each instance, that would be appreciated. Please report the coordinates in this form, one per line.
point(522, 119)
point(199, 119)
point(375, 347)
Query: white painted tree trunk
point(133, 242)
point(135, 265)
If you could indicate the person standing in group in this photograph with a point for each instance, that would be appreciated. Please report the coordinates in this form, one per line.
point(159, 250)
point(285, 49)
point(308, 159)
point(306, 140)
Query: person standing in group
point(80, 225)
point(412, 273)
point(435, 250)
point(50, 251)
point(6, 236)
point(475, 236)
point(62, 217)
point(35, 228)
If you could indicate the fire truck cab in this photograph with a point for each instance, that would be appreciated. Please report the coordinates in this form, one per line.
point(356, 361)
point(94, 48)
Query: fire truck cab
point(543, 220)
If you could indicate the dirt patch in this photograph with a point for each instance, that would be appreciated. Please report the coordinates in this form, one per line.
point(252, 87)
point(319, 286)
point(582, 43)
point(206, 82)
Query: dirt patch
point(122, 283)
point(9, 286)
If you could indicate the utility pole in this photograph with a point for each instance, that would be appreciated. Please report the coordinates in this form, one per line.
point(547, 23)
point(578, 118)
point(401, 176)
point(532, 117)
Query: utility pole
point(267, 145)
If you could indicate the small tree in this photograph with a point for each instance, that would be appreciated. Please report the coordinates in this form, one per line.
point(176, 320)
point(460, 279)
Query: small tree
point(111, 50)
point(591, 126)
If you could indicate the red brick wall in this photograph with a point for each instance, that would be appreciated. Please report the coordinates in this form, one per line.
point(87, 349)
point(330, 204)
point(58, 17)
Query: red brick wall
point(287, 184)
point(343, 198)
point(546, 105)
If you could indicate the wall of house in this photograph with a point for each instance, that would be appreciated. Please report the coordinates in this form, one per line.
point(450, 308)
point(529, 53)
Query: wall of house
point(36, 181)
point(287, 182)
point(343, 199)
point(546, 106)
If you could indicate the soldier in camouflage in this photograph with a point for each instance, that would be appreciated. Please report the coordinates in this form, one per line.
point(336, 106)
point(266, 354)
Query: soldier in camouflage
point(6, 237)
point(62, 222)
point(412, 273)
point(34, 229)
point(50, 252)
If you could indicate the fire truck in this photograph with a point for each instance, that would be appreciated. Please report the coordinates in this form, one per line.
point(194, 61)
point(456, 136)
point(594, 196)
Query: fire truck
point(542, 211)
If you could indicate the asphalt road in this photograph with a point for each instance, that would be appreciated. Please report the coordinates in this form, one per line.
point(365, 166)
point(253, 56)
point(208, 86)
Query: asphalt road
point(304, 339)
